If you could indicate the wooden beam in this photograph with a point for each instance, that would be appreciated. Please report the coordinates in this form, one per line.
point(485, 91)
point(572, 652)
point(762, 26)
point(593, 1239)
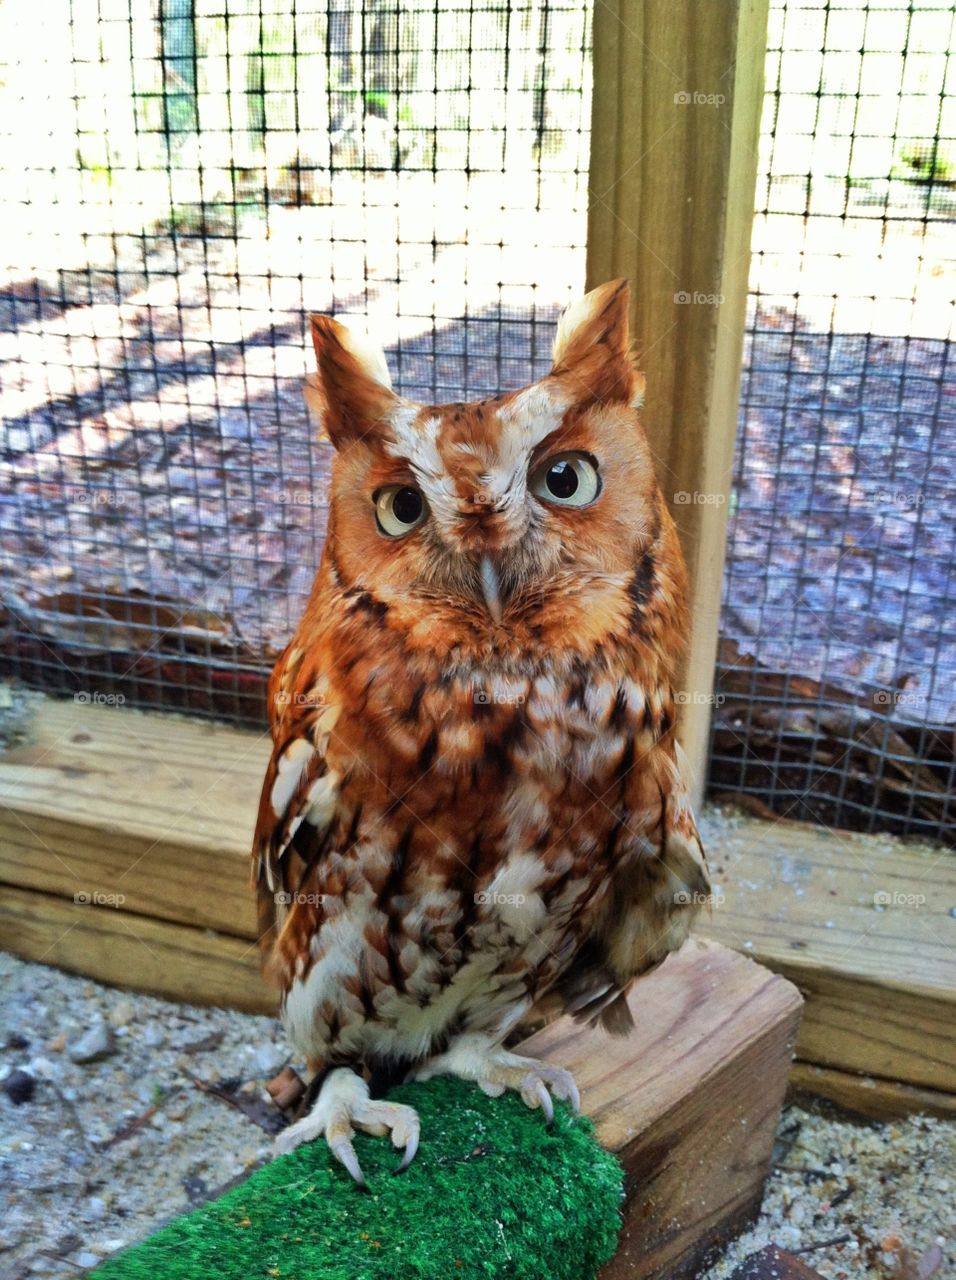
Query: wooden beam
point(678, 94)
point(866, 1096)
point(160, 810)
point(133, 951)
point(689, 1102)
point(864, 927)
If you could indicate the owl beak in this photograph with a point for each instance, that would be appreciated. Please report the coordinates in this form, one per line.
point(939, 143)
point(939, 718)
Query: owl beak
point(491, 587)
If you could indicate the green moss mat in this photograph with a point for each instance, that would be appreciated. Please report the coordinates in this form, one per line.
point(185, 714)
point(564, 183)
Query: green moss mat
point(493, 1192)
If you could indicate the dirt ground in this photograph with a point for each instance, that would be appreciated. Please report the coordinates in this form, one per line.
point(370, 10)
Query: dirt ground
point(98, 1153)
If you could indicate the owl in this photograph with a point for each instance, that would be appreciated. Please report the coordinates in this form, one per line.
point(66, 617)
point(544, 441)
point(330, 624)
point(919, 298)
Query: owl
point(476, 810)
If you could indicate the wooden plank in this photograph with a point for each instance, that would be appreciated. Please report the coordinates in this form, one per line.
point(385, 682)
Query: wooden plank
point(689, 1102)
point(170, 832)
point(158, 809)
point(134, 952)
point(865, 1096)
point(865, 928)
point(678, 94)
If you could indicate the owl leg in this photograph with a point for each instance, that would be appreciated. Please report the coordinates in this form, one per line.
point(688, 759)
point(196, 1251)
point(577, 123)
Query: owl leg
point(476, 1057)
point(344, 1105)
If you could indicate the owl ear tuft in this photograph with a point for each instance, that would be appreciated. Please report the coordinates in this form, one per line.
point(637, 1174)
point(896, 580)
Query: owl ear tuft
point(351, 396)
point(592, 348)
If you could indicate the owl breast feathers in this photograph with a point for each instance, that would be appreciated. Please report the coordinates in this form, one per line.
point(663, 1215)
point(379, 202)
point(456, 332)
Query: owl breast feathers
point(475, 810)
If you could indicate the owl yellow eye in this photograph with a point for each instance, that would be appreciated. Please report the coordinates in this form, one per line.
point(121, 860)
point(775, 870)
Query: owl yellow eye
point(398, 509)
point(567, 480)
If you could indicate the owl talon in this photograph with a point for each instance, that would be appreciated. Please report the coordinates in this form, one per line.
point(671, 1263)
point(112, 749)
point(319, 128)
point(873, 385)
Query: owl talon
point(411, 1149)
point(473, 1057)
point(343, 1105)
point(344, 1152)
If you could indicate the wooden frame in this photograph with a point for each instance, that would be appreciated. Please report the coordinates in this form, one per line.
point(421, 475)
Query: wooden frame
point(124, 855)
point(678, 93)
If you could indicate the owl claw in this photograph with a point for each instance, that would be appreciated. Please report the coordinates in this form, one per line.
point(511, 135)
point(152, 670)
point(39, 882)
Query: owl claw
point(343, 1105)
point(473, 1057)
point(344, 1152)
point(411, 1147)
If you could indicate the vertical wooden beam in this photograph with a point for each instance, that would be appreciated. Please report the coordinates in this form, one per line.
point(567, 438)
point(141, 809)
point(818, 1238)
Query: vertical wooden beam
point(678, 92)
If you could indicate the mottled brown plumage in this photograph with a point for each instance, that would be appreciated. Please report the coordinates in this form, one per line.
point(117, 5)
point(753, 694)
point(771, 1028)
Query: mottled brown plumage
point(475, 810)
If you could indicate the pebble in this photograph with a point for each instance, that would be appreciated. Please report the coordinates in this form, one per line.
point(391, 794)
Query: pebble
point(95, 1043)
point(122, 1013)
point(19, 1086)
point(95, 1209)
point(86, 1258)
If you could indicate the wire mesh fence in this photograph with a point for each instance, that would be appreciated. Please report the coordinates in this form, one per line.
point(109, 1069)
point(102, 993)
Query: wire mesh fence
point(181, 181)
point(835, 681)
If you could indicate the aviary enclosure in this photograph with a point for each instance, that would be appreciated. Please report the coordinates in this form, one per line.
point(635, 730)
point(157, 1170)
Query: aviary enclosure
point(181, 183)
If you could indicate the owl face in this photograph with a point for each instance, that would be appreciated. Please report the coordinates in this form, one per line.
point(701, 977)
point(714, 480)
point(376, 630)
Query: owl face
point(490, 506)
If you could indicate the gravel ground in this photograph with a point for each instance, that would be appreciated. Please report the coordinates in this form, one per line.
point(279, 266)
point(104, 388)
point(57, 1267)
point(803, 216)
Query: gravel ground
point(71, 1195)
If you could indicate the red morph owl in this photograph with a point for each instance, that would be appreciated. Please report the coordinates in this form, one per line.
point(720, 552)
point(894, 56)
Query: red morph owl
point(476, 810)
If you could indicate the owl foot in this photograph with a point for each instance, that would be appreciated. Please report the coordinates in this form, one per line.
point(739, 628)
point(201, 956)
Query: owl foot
point(474, 1057)
point(343, 1105)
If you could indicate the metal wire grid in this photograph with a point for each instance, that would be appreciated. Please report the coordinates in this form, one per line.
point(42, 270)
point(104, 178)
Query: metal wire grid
point(181, 182)
point(835, 685)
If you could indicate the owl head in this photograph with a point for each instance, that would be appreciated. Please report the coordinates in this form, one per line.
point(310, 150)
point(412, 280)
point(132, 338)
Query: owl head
point(492, 507)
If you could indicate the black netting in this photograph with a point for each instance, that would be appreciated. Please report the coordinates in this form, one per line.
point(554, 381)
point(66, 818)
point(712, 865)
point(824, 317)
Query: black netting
point(838, 652)
point(181, 181)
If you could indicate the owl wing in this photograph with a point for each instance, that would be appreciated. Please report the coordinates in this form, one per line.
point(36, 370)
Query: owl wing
point(300, 792)
point(653, 898)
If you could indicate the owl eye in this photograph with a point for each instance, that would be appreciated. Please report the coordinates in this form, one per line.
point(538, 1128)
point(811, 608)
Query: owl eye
point(567, 479)
point(398, 509)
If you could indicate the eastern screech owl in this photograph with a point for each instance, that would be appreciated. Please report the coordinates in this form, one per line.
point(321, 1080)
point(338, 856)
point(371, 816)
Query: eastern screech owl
point(475, 810)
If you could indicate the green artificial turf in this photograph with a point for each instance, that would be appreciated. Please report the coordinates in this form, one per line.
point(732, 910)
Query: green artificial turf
point(493, 1192)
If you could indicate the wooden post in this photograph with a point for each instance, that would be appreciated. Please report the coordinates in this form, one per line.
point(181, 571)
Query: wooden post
point(678, 91)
